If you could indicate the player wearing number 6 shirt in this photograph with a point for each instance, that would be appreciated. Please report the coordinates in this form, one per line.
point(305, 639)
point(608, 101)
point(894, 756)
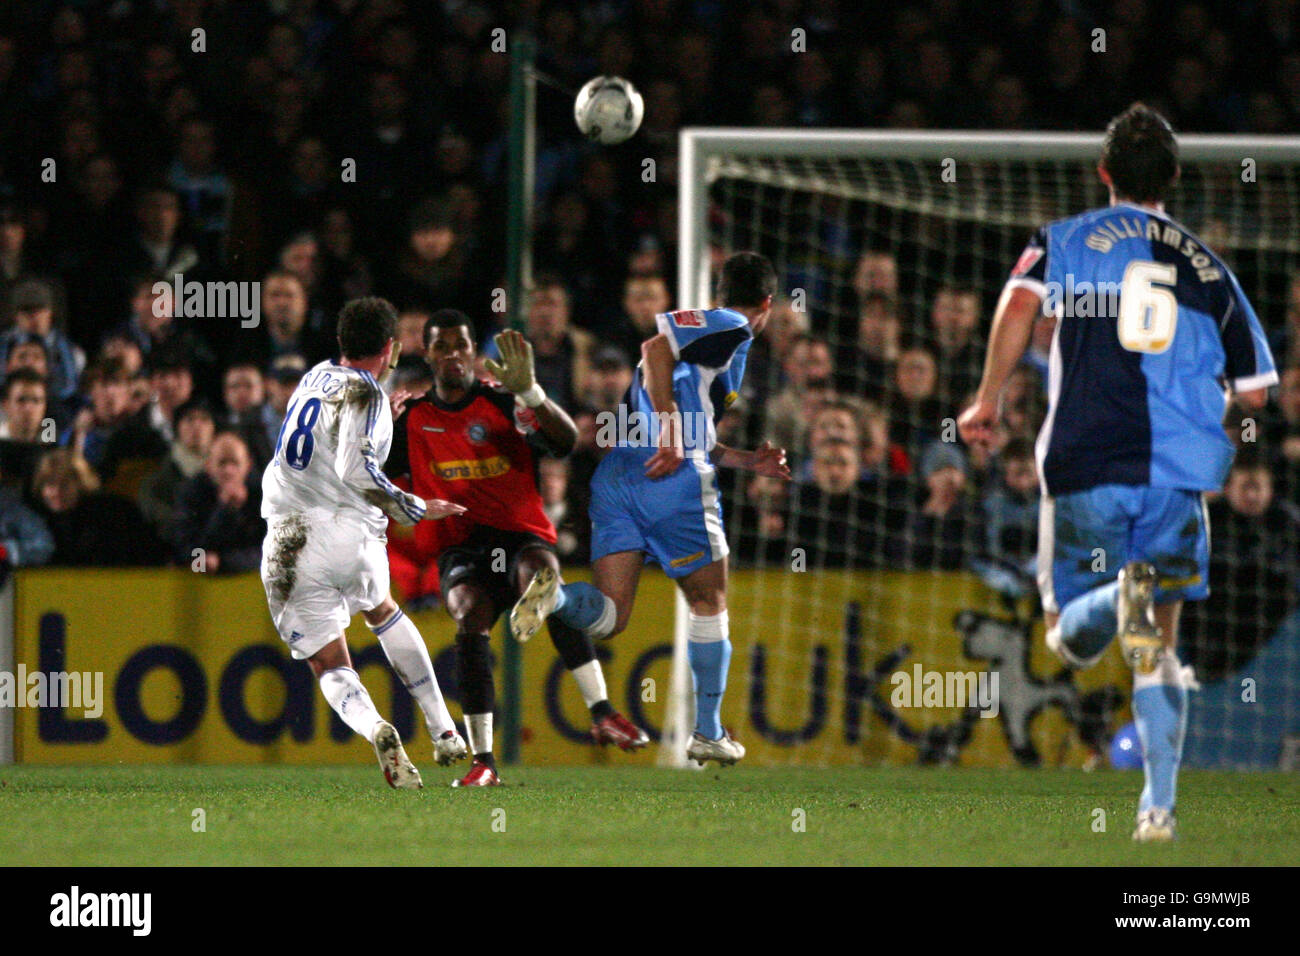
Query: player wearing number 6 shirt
point(1153, 334)
point(327, 502)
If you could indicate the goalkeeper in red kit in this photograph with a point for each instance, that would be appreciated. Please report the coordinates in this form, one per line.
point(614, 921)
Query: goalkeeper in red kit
point(478, 445)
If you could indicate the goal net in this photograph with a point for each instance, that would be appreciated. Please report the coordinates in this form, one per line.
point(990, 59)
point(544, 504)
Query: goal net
point(882, 606)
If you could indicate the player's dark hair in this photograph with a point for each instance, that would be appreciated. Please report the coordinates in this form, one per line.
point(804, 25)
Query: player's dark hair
point(1141, 154)
point(447, 319)
point(365, 326)
point(747, 279)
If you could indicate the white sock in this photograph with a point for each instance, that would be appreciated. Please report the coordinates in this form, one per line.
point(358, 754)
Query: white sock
point(478, 728)
point(591, 682)
point(350, 700)
point(603, 626)
point(401, 641)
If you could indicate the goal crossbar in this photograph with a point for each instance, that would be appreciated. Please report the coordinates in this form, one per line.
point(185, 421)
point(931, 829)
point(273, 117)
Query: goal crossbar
point(702, 150)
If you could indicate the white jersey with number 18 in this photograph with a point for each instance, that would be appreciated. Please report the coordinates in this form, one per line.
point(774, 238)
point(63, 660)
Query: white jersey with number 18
point(331, 449)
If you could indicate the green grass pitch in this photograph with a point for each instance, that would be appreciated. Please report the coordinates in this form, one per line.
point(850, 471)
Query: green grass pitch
point(127, 816)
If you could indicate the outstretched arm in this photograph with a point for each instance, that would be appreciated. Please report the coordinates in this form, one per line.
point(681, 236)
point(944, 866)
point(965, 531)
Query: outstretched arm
point(1013, 323)
point(359, 468)
point(1252, 400)
point(516, 373)
point(766, 460)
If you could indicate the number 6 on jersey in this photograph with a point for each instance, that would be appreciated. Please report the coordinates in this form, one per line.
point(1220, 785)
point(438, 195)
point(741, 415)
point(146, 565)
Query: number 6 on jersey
point(1148, 313)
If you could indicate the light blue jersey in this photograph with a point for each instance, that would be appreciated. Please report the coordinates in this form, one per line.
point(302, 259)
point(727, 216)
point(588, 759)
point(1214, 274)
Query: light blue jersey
point(711, 347)
point(676, 520)
point(1151, 327)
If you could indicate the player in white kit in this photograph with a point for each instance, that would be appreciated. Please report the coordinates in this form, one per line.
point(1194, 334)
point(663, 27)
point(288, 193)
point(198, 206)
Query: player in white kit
point(326, 503)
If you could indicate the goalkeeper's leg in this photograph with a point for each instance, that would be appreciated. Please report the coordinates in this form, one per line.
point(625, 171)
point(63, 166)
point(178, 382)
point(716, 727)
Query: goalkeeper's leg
point(537, 571)
point(591, 610)
point(473, 610)
point(602, 609)
point(581, 606)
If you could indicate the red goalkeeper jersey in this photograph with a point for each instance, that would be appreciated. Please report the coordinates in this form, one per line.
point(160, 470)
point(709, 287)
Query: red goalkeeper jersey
point(480, 452)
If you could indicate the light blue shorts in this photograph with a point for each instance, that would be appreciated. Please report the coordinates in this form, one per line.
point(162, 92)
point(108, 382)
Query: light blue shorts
point(1085, 537)
point(675, 521)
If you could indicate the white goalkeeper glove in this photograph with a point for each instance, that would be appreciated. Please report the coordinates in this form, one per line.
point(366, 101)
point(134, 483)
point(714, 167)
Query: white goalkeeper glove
point(515, 370)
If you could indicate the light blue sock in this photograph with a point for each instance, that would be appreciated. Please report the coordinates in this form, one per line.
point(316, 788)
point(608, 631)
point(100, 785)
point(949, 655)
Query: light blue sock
point(1160, 712)
point(579, 605)
point(1088, 623)
point(708, 649)
point(709, 660)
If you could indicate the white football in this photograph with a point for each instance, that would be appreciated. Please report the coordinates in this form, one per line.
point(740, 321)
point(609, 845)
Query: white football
point(608, 110)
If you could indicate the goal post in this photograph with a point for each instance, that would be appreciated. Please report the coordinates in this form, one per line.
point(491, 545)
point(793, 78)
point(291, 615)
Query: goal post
point(954, 209)
point(522, 166)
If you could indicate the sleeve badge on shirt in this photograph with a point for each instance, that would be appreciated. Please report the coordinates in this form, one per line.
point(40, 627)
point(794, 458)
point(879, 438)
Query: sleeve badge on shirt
point(688, 319)
point(1027, 259)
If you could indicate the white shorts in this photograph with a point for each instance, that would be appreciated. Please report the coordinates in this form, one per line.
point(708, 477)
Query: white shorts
point(320, 570)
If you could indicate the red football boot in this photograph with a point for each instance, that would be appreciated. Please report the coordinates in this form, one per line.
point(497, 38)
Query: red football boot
point(480, 775)
point(618, 730)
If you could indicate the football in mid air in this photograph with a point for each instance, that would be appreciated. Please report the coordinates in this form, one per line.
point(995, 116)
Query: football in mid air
point(608, 110)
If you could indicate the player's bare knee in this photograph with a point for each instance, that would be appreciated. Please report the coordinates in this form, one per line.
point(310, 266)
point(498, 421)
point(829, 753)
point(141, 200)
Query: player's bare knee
point(332, 655)
point(532, 560)
point(470, 608)
point(622, 614)
point(705, 599)
point(380, 612)
point(474, 618)
point(709, 606)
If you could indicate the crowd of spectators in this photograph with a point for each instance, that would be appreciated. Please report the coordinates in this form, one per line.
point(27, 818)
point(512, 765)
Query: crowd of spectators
point(331, 149)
